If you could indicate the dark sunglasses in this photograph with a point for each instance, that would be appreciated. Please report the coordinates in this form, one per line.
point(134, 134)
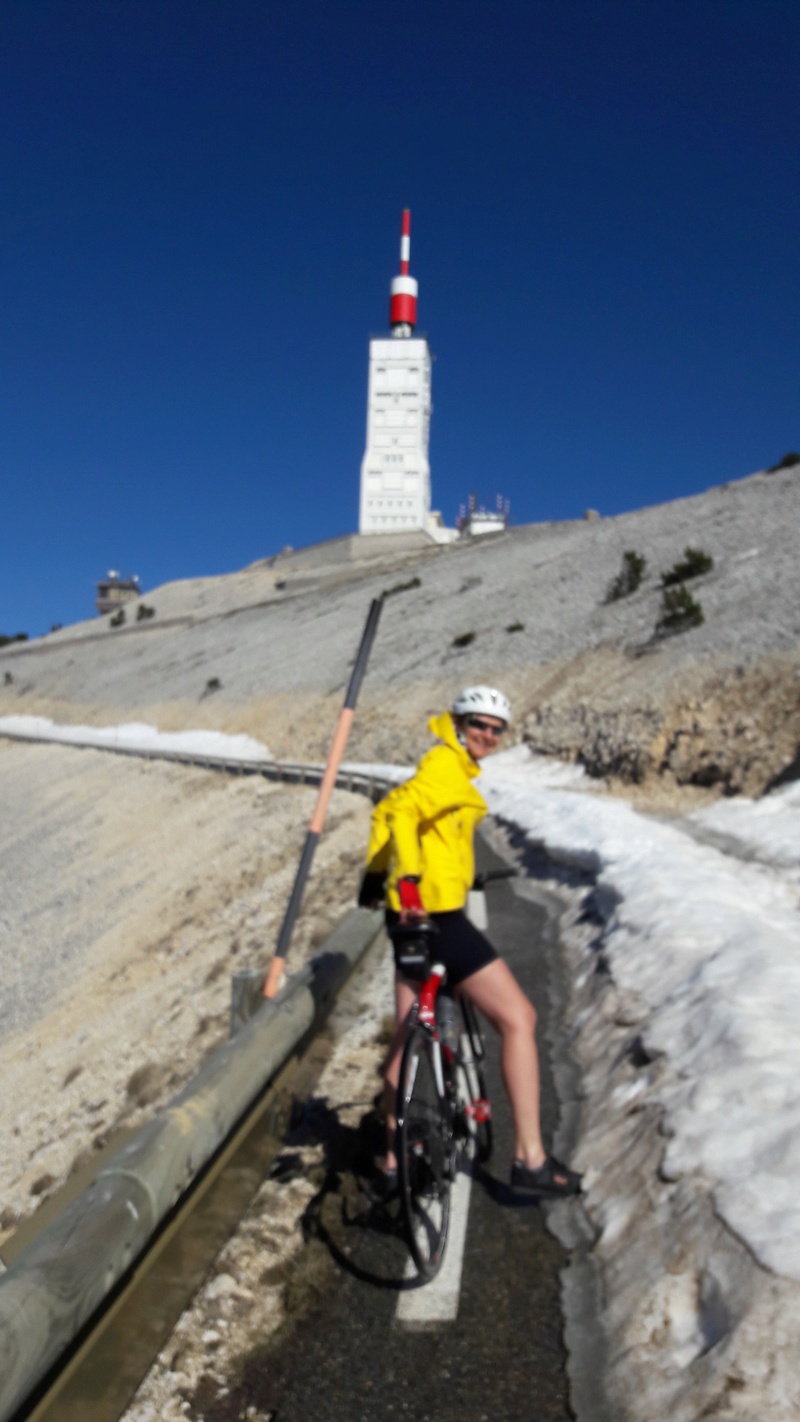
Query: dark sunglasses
point(479, 725)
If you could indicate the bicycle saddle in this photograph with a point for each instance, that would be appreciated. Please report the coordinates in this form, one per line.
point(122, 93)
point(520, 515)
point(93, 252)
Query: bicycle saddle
point(414, 946)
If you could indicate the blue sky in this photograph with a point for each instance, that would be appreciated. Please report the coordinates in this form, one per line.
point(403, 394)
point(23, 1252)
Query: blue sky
point(200, 219)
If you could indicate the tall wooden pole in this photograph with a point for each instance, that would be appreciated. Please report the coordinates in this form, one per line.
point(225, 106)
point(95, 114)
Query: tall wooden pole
point(325, 791)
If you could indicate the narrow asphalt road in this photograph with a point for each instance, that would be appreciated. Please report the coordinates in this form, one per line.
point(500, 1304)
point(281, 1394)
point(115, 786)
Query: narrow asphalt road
point(345, 1357)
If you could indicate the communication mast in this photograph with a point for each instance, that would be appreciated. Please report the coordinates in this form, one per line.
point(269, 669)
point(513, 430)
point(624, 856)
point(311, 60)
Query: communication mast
point(405, 288)
point(395, 470)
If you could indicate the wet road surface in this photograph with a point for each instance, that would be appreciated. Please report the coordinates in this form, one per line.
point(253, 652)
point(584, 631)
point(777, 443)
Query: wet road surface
point(346, 1358)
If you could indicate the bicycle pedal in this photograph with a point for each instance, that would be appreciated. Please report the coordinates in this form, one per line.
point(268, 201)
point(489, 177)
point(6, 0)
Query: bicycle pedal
point(480, 1111)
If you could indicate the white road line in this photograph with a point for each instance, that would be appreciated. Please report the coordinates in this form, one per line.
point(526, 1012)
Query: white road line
point(437, 1302)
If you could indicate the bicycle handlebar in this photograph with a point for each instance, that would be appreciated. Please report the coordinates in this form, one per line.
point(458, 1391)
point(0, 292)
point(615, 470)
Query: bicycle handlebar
point(481, 880)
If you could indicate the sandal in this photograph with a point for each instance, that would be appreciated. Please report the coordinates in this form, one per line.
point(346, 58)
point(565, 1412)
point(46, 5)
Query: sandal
point(386, 1181)
point(552, 1178)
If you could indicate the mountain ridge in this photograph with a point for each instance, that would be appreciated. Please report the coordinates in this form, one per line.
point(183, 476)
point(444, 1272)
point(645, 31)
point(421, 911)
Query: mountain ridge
point(266, 650)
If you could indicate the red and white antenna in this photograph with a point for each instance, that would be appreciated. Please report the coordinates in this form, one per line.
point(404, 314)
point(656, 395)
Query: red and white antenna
point(403, 302)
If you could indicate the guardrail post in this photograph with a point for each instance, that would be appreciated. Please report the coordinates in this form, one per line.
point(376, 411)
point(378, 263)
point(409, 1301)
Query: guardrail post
point(247, 995)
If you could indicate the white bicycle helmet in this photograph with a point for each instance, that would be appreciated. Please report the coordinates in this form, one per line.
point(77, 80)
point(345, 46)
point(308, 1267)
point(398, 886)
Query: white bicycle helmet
point(482, 700)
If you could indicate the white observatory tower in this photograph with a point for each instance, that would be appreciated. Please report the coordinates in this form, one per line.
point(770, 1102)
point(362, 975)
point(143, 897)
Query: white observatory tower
point(395, 473)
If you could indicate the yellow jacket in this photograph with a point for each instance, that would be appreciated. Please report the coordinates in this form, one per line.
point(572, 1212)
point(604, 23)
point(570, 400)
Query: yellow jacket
point(426, 826)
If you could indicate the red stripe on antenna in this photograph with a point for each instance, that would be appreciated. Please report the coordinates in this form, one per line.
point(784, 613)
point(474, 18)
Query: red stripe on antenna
point(403, 302)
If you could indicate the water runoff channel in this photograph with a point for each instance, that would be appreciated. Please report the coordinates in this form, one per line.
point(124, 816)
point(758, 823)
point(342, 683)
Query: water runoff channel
point(89, 1302)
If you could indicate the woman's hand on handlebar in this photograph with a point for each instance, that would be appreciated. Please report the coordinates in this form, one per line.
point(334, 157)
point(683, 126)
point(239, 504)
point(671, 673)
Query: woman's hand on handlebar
point(411, 905)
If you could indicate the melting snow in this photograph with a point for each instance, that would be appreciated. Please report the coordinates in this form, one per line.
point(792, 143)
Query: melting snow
point(713, 946)
point(136, 736)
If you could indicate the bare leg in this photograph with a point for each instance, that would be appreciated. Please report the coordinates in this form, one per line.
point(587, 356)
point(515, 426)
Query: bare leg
point(404, 997)
point(495, 990)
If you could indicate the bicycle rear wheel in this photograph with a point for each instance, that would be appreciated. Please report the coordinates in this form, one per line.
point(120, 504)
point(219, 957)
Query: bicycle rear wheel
point(477, 1108)
point(423, 1154)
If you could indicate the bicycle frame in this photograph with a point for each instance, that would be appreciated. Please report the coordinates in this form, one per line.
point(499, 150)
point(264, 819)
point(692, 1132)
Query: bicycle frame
point(423, 1012)
point(426, 1014)
point(443, 1113)
point(443, 1118)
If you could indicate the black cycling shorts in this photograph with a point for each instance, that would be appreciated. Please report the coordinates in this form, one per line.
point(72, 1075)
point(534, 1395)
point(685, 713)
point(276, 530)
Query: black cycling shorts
point(460, 946)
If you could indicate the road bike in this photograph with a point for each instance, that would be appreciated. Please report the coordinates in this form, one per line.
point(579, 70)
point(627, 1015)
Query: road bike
point(444, 1116)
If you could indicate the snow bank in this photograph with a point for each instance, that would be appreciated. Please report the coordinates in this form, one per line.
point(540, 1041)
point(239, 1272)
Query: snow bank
point(395, 773)
point(713, 946)
point(136, 736)
point(767, 830)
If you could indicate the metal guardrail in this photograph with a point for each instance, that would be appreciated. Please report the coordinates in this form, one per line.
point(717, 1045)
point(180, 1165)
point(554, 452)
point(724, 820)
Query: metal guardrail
point(290, 772)
point(58, 1287)
point(52, 1292)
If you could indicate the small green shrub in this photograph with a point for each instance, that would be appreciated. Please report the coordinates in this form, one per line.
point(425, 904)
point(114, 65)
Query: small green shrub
point(630, 578)
point(464, 640)
point(788, 461)
point(694, 563)
point(8, 679)
point(515, 627)
point(118, 620)
point(679, 611)
point(402, 587)
point(143, 612)
point(213, 684)
point(18, 637)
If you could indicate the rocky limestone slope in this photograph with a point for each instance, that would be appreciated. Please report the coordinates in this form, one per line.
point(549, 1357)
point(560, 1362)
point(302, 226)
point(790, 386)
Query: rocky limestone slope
point(267, 650)
point(131, 892)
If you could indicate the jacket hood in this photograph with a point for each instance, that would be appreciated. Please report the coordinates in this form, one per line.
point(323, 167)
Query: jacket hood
point(443, 727)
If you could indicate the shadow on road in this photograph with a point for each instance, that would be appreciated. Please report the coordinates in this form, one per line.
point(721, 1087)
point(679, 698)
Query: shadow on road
point(350, 1214)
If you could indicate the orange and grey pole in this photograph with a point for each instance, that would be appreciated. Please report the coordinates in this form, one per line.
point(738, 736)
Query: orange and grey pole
point(325, 791)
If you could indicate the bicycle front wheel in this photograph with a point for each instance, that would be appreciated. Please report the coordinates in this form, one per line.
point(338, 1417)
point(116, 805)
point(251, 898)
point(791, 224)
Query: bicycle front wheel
point(424, 1151)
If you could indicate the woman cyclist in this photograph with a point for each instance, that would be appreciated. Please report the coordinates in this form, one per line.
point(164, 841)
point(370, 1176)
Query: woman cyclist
point(421, 845)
